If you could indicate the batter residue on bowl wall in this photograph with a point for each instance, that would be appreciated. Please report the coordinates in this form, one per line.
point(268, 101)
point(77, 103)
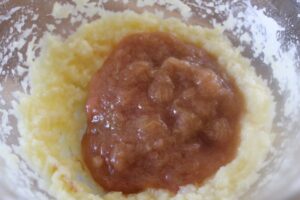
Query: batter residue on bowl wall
point(52, 118)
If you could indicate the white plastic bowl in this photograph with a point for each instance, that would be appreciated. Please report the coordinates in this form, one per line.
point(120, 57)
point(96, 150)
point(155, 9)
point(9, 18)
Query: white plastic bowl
point(269, 32)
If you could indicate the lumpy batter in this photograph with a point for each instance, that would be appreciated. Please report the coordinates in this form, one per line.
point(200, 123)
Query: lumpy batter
point(52, 118)
point(161, 114)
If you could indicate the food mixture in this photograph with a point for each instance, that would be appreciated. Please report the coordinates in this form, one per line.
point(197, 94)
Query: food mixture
point(140, 75)
point(161, 114)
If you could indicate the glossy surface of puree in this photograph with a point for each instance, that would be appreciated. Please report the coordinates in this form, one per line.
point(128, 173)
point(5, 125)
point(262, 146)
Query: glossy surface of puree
point(161, 114)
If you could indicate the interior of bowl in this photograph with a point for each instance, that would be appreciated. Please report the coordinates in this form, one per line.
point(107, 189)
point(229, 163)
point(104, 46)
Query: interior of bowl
point(268, 32)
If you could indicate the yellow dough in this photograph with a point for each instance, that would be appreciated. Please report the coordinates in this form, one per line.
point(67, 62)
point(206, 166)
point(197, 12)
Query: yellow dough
point(52, 117)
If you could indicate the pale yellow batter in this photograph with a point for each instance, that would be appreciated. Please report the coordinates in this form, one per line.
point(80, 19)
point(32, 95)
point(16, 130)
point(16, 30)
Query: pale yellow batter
point(52, 118)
